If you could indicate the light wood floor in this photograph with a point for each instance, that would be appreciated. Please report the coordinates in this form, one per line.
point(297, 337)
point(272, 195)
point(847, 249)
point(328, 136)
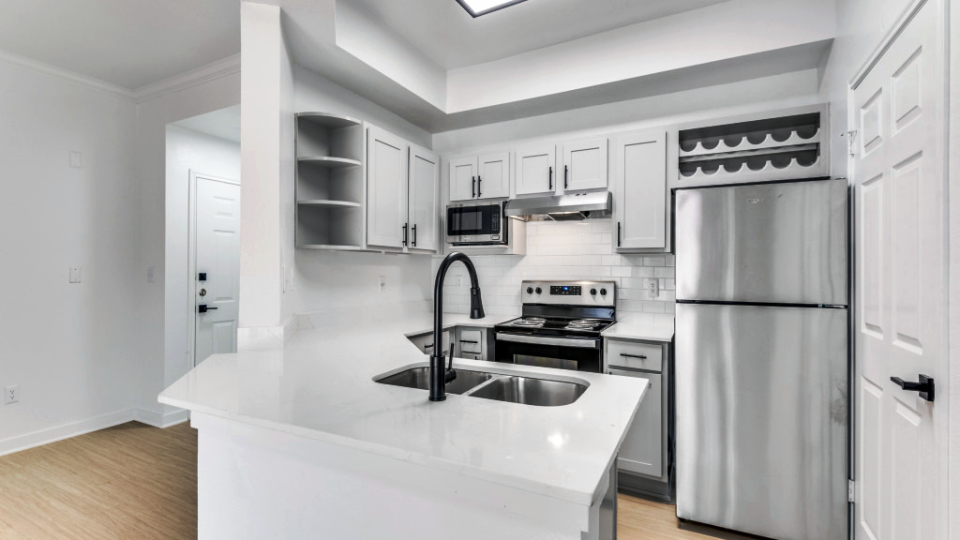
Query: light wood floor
point(138, 482)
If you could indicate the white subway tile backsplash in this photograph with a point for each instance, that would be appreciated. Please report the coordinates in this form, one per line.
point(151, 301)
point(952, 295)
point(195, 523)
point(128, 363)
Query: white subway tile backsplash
point(568, 251)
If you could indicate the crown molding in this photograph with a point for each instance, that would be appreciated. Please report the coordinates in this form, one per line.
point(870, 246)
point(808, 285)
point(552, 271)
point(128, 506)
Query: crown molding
point(194, 77)
point(42, 68)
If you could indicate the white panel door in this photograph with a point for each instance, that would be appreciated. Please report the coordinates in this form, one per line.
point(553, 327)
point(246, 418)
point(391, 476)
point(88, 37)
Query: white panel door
point(463, 178)
point(424, 212)
point(217, 256)
point(493, 178)
point(585, 164)
point(642, 449)
point(640, 199)
point(898, 110)
point(386, 189)
point(536, 170)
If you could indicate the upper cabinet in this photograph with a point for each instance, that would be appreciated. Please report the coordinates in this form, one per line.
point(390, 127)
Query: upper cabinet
point(536, 170)
point(640, 199)
point(485, 176)
point(585, 164)
point(424, 209)
point(386, 189)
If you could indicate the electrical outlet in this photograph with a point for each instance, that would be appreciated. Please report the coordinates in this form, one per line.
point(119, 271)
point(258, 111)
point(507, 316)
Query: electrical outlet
point(75, 274)
point(11, 394)
point(653, 287)
point(381, 283)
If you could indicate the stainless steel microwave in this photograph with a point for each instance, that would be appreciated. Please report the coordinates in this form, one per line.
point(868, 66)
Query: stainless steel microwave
point(477, 224)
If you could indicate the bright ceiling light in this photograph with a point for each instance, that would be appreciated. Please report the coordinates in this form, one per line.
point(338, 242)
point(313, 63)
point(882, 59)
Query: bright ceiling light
point(477, 8)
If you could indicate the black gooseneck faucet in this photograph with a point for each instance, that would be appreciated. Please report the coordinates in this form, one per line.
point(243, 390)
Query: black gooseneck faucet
point(440, 375)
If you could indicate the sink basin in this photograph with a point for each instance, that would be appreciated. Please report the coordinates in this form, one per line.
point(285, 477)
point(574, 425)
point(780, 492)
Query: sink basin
point(528, 391)
point(420, 378)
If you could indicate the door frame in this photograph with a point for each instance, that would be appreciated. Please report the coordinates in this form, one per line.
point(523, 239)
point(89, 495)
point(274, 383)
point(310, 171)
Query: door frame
point(948, 496)
point(192, 303)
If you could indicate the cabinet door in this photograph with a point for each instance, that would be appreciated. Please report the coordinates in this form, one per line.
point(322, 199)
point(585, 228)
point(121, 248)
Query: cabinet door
point(424, 212)
point(584, 164)
point(493, 176)
point(640, 200)
point(642, 449)
point(386, 189)
point(536, 170)
point(463, 178)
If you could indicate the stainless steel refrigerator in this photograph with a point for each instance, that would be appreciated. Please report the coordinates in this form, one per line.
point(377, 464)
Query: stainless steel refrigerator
point(762, 358)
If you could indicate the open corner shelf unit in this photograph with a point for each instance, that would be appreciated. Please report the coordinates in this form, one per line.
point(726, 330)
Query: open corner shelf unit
point(330, 182)
point(792, 146)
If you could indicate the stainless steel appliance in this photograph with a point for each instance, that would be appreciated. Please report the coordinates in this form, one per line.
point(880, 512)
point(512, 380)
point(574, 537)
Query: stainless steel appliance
point(560, 326)
point(762, 358)
point(477, 223)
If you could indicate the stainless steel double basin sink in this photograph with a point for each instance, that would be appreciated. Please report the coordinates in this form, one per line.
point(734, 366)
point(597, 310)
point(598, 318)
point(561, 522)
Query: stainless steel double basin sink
point(496, 386)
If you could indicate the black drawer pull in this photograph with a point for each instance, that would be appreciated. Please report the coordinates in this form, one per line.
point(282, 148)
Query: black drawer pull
point(637, 356)
point(467, 341)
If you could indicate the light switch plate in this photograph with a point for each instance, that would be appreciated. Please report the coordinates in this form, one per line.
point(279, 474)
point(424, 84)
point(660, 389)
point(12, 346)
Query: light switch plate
point(652, 286)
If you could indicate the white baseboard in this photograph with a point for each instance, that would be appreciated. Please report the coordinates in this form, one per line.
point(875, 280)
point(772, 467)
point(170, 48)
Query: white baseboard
point(65, 431)
point(162, 421)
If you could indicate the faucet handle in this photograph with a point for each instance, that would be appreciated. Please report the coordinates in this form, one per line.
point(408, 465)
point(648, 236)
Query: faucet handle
point(450, 374)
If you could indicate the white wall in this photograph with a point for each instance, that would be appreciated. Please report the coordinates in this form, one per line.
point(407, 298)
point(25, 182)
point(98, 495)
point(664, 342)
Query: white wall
point(68, 346)
point(202, 154)
point(159, 366)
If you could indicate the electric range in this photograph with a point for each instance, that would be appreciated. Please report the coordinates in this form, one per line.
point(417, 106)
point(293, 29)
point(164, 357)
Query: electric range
point(560, 325)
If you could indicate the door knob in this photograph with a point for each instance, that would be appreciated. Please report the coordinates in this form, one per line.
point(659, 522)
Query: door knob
point(203, 292)
point(925, 386)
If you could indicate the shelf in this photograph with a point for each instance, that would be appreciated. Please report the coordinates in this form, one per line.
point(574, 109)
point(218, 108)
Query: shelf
point(329, 162)
point(769, 143)
point(328, 120)
point(746, 174)
point(327, 202)
point(692, 158)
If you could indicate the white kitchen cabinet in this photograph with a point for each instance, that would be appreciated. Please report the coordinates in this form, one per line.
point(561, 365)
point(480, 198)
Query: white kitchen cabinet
point(536, 170)
point(476, 177)
point(423, 212)
point(640, 196)
point(641, 450)
point(386, 189)
point(475, 343)
point(584, 165)
point(424, 342)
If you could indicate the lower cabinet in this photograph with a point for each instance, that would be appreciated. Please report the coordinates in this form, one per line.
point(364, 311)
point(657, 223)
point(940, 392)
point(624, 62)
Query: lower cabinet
point(424, 342)
point(474, 343)
point(646, 451)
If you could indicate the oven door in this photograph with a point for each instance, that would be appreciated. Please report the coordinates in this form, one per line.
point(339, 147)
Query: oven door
point(576, 354)
point(476, 224)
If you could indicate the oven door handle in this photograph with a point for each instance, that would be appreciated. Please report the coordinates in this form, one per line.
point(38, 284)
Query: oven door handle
point(544, 340)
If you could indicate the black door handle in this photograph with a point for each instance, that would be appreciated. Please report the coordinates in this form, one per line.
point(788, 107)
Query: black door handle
point(550, 178)
point(479, 181)
point(202, 308)
point(925, 386)
point(564, 177)
point(473, 189)
point(405, 234)
point(618, 234)
point(414, 236)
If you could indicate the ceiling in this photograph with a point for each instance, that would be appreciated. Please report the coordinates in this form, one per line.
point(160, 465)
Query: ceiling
point(130, 43)
point(223, 124)
point(444, 32)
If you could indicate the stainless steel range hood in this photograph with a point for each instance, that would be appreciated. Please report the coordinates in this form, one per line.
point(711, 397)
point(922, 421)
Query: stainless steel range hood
point(572, 207)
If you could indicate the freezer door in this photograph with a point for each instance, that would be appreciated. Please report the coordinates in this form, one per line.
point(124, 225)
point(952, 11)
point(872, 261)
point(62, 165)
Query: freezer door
point(761, 419)
point(771, 243)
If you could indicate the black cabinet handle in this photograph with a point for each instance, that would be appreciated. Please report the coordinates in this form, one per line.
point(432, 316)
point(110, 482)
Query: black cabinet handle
point(637, 356)
point(564, 177)
point(479, 180)
point(466, 341)
point(430, 346)
point(618, 233)
point(414, 236)
point(405, 234)
point(926, 386)
point(202, 308)
point(473, 189)
point(550, 178)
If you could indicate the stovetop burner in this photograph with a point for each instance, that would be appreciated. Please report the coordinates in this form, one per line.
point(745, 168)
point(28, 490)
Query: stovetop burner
point(559, 325)
point(530, 321)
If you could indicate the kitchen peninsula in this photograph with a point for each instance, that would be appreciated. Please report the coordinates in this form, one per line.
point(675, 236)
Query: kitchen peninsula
point(304, 443)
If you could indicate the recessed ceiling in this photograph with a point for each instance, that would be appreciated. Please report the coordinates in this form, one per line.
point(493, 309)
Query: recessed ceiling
point(444, 32)
point(130, 43)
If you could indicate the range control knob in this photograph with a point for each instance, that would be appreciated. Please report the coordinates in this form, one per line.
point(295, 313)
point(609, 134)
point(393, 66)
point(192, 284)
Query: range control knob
point(603, 292)
point(593, 292)
point(539, 290)
point(529, 290)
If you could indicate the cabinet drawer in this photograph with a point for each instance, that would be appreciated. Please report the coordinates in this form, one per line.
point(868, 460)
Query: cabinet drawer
point(634, 355)
point(471, 341)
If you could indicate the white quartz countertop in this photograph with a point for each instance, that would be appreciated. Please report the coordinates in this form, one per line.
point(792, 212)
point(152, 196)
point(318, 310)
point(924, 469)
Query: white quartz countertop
point(639, 329)
point(321, 386)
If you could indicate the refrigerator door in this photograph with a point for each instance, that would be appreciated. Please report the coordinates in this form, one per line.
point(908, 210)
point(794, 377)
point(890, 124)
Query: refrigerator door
point(782, 243)
point(761, 419)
